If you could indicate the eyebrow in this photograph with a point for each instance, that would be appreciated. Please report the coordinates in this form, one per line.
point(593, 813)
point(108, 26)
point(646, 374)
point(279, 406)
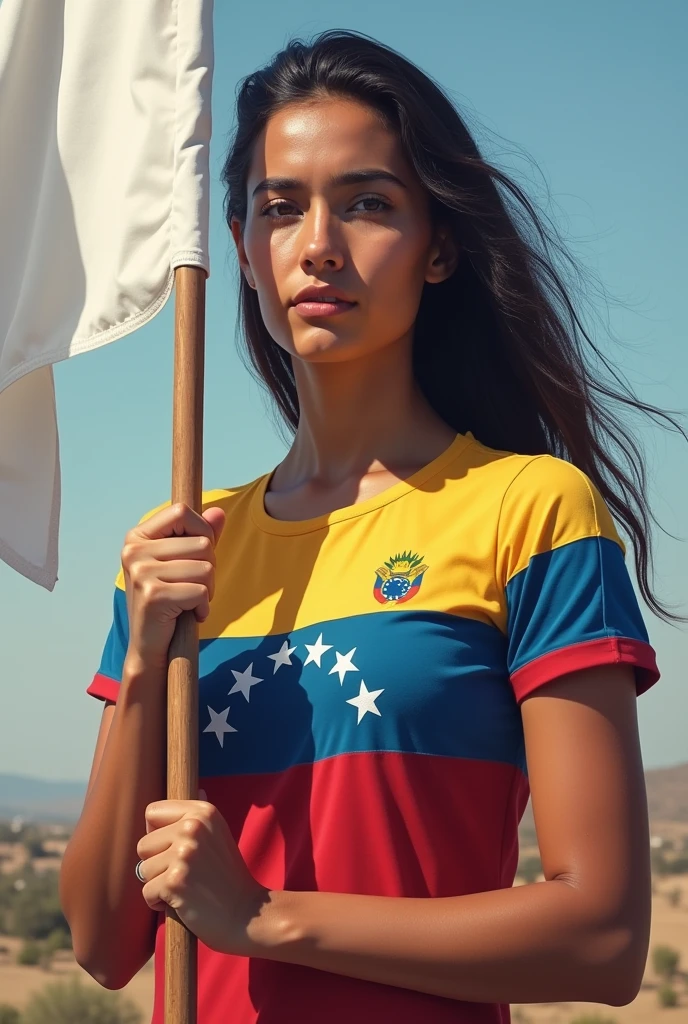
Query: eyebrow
point(347, 178)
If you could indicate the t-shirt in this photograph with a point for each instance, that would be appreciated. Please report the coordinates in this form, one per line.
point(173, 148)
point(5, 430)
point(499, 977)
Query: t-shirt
point(360, 680)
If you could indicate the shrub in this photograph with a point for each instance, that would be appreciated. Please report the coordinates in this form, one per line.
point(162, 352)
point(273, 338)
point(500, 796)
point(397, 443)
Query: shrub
point(665, 961)
point(70, 1002)
point(30, 953)
point(34, 847)
point(60, 938)
point(530, 869)
point(667, 996)
point(660, 865)
point(9, 1014)
point(34, 911)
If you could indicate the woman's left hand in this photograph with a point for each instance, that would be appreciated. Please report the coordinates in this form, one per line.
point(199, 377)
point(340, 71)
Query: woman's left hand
point(192, 864)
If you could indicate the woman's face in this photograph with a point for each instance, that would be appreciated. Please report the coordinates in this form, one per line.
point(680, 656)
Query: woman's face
point(333, 203)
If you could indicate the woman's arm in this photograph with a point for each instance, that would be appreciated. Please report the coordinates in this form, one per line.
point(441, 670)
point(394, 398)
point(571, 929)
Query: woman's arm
point(113, 930)
point(169, 567)
point(581, 935)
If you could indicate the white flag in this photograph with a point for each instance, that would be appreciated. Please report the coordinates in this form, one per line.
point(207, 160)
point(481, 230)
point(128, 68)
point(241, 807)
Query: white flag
point(104, 139)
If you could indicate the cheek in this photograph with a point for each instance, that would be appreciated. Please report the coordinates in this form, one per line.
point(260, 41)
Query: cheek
point(271, 267)
point(394, 271)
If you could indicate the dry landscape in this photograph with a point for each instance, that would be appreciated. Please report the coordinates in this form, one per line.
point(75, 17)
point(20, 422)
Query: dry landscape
point(670, 927)
point(668, 795)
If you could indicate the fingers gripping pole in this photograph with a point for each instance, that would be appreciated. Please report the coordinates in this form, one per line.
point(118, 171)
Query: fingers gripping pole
point(182, 677)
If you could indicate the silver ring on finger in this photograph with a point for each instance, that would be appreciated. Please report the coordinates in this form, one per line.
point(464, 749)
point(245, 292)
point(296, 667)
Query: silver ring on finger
point(138, 872)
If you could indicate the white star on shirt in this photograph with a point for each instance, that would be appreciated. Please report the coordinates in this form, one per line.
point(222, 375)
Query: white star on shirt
point(365, 701)
point(283, 656)
point(316, 651)
point(219, 724)
point(244, 681)
point(344, 665)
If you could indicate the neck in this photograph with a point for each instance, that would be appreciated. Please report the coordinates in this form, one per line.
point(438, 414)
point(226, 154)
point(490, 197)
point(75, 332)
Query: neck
point(361, 416)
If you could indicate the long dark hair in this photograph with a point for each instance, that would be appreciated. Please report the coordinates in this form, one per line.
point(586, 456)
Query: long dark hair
point(499, 348)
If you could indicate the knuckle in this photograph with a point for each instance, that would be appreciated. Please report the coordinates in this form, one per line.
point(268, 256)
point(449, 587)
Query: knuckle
point(186, 848)
point(177, 875)
point(151, 590)
point(136, 572)
point(205, 546)
point(128, 553)
point(191, 827)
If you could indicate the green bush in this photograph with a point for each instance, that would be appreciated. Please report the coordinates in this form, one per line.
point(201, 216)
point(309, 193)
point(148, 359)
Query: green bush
point(660, 865)
point(7, 896)
point(667, 996)
point(70, 1002)
point(9, 1014)
point(665, 961)
point(60, 938)
point(34, 847)
point(663, 865)
point(530, 869)
point(34, 911)
point(30, 953)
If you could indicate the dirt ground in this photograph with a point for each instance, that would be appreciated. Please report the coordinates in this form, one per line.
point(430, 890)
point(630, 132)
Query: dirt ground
point(18, 983)
point(669, 927)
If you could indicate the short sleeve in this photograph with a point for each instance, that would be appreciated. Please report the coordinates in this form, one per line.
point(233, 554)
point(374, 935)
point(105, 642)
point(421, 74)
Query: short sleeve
point(569, 598)
point(106, 681)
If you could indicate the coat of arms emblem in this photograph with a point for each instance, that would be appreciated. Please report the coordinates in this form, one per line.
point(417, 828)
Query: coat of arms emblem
point(399, 579)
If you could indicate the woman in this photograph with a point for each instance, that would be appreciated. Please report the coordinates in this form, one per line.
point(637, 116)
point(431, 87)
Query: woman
point(421, 614)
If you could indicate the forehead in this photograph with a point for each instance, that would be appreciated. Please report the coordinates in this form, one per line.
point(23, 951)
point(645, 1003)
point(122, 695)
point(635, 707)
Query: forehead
point(317, 138)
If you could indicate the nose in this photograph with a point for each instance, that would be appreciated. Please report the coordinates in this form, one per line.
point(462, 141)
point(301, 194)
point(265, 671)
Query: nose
point(322, 246)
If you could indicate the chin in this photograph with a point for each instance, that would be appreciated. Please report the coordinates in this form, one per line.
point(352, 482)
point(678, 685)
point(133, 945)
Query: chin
point(324, 346)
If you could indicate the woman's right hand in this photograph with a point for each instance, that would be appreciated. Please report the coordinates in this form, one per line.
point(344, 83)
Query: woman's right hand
point(169, 568)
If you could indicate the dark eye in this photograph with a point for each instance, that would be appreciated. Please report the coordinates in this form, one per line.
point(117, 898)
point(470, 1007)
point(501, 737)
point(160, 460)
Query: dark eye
point(373, 204)
point(284, 207)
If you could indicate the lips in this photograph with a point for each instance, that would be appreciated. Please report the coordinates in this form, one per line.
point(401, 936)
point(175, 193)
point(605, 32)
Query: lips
point(310, 307)
point(322, 300)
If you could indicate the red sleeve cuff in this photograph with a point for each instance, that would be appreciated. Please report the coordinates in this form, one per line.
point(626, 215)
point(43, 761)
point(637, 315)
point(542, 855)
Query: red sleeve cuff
point(612, 650)
point(104, 687)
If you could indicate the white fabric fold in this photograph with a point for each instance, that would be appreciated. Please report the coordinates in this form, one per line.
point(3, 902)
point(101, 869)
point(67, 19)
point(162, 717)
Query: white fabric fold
point(104, 135)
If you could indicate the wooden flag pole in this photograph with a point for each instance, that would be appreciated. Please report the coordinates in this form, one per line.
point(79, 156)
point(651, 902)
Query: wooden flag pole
point(182, 677)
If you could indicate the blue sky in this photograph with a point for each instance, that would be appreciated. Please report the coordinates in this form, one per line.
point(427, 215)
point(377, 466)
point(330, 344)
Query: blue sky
point(594, 94)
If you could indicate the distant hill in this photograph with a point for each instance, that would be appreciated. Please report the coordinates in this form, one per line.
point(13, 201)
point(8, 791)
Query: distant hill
point(667, 793)
point(667, 796)
point(40, 799)
point(47, 800)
